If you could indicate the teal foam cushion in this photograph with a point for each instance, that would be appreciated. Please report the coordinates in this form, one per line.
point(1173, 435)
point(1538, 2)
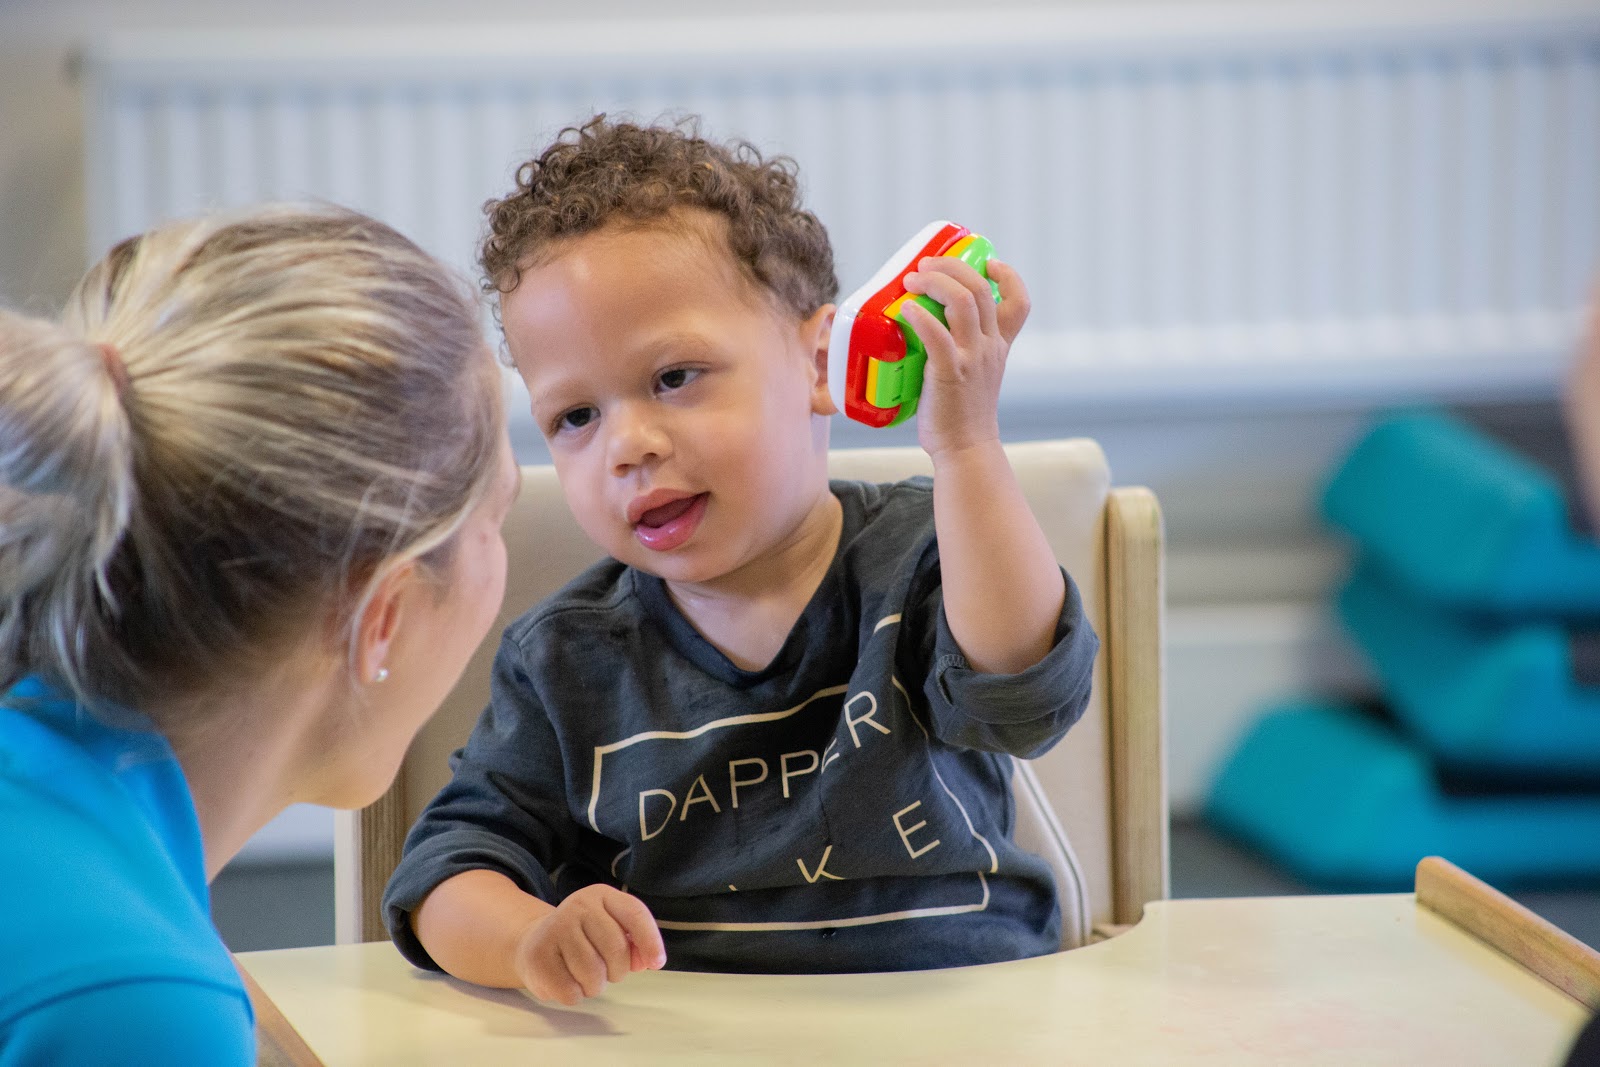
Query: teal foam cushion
point(1342, 801)
point(1464, 520)
point(1483, 695)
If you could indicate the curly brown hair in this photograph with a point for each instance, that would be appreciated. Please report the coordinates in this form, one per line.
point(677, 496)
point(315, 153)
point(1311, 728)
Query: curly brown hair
point(605, 172)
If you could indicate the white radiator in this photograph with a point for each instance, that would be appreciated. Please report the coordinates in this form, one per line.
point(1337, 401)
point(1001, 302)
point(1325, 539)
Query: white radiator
point(1285, 200)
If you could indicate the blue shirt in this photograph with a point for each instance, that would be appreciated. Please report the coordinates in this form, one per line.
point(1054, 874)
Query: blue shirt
point(107, 951)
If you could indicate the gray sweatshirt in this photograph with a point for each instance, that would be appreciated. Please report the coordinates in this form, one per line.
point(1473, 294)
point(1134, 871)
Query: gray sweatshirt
point(845, 808)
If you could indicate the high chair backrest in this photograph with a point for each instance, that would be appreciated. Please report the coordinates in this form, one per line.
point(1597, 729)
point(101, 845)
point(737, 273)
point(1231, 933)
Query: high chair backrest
point(1094, 806)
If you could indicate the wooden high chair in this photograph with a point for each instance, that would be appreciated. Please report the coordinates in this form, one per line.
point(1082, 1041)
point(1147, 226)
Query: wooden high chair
point(1095, 806)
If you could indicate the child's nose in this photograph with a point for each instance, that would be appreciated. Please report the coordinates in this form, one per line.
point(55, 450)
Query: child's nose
point(637, 437)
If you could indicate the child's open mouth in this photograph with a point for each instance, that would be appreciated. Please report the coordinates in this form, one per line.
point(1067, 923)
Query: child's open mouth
point(670, 525)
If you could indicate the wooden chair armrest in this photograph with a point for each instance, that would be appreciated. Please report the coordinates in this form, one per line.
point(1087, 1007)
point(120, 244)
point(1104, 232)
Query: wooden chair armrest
point(1135, 617)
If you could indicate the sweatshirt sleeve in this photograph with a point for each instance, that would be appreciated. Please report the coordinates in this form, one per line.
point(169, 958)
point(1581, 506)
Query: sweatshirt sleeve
point(1021, 714)
point(503, 810)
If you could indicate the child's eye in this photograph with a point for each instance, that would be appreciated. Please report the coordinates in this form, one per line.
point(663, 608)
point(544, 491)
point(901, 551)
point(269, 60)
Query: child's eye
point(575, 419)
point(677, 377)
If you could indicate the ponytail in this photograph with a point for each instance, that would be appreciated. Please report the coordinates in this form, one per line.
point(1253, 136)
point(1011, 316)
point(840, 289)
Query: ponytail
point(66, 495)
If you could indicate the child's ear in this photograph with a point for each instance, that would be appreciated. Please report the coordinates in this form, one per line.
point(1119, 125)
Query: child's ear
point(814, 332)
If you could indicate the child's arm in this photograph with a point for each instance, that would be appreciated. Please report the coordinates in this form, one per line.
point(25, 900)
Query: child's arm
point(501, 823)
point(1003, 590)
point(481, 928)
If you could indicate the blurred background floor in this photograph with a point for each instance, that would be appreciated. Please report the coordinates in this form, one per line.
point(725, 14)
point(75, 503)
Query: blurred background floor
point(263, 906)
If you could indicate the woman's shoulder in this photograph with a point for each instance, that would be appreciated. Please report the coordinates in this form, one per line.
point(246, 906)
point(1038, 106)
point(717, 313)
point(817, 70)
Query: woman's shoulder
point(147, 1021)
point(94, 893)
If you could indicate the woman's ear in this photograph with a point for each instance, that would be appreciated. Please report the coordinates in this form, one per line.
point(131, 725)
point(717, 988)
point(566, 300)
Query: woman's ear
point(380, 623)
point(814, 332)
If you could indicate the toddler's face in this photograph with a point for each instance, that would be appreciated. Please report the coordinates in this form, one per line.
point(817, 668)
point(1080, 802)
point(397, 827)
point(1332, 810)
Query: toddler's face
point(686, 415)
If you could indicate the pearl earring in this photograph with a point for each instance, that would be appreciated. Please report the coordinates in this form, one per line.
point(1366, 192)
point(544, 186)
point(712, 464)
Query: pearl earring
point(381, 676)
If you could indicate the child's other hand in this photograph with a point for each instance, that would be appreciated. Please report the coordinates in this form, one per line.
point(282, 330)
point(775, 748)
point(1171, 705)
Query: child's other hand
point(961, 382)
point(597, 935)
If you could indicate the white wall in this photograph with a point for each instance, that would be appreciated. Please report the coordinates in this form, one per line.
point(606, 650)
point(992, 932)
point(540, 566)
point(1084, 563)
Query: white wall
point(41, 140)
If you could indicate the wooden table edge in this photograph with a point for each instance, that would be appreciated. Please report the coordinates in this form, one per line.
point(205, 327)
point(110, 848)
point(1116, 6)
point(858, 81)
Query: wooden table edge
point(1488, 915)
point(278, 1043)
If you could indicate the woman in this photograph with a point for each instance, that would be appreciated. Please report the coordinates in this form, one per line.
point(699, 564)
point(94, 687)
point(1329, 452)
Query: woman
point(251, 489)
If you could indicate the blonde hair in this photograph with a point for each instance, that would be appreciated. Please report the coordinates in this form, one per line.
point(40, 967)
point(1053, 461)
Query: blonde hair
point(239, 423)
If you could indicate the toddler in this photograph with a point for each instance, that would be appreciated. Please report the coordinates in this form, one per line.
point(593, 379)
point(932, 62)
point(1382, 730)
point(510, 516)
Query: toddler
point(774, 731)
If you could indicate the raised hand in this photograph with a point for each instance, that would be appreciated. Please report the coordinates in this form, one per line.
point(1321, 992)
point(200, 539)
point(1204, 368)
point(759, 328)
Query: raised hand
point(967, 359)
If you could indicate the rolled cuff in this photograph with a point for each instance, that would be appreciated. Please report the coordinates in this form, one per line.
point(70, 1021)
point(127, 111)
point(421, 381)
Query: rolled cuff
point(1025, 713)
point(438, 859)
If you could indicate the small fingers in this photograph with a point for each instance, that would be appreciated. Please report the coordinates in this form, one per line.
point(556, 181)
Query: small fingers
point(969, 318)
point(552, 981)
point(972, 281)
point(1012, 311)
point(941, 347)
point(610, 943)
point(584, 964)
point(640, 927)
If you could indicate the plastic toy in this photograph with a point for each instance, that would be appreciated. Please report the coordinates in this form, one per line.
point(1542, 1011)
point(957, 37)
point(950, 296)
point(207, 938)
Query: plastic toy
point(875, 358)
